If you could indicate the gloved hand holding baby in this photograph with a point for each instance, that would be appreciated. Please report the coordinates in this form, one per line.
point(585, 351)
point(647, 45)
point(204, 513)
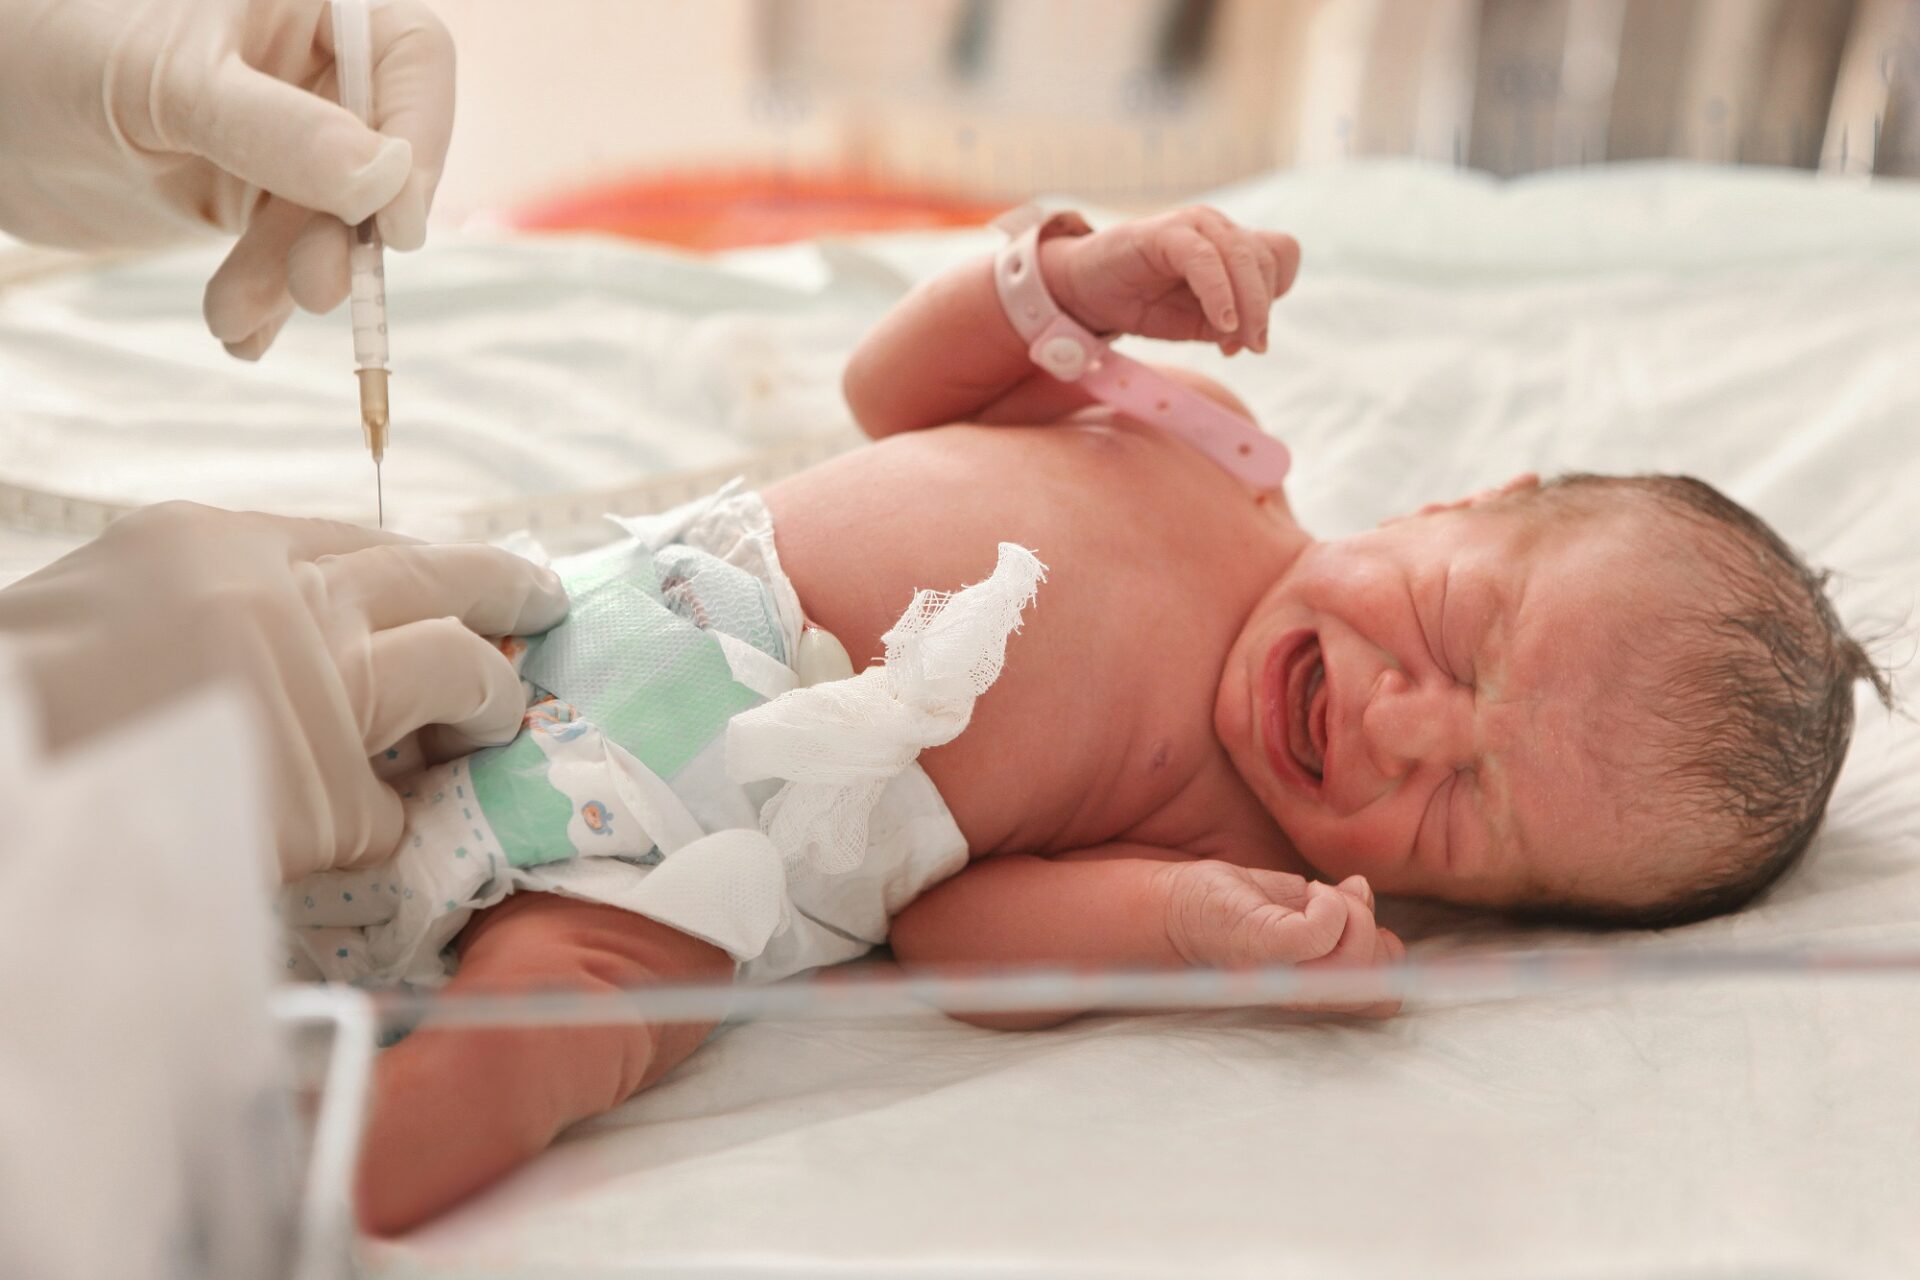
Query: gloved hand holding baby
point(346, 643)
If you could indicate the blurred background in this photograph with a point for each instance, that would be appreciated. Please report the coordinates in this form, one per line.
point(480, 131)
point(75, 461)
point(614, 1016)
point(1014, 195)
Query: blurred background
point(747, 121)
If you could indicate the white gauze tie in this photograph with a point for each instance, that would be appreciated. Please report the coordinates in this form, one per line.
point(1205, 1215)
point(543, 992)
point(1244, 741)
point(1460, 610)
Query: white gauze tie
point(837, 744)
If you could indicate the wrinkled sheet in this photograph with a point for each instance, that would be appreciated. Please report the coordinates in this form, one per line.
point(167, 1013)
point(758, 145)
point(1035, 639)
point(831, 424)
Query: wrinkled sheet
point(1760, 330)
point(539, 367)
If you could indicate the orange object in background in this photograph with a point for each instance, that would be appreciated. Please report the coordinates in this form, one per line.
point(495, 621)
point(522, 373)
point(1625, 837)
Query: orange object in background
point(728, 211)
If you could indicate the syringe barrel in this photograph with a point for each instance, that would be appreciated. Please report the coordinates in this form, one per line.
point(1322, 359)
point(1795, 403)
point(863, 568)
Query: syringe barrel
point(367, 300)
point(353, 56)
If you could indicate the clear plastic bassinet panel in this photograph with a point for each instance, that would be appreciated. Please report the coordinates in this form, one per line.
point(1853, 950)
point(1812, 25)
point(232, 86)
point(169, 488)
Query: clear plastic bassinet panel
point(1621, 1111)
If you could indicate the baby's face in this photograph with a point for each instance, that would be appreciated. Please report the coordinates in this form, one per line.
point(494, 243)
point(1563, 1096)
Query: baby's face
point(1435, 705)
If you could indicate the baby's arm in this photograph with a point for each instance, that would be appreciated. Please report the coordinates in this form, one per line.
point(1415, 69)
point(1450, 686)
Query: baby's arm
point(1134, 907)
point(453, 1110)
point(948, 353)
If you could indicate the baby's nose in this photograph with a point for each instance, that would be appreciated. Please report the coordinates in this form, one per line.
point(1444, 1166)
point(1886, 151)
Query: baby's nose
point(1408, 723)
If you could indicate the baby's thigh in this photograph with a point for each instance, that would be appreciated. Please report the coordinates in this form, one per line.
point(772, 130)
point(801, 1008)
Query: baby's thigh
point(535, 942)
point(542, 939)
point(457, 1107)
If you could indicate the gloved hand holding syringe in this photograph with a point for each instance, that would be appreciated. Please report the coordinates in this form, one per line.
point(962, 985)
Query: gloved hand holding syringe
point(367, 305)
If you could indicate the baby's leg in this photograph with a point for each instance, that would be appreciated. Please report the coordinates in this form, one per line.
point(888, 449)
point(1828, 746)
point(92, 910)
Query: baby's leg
point(453, 1110)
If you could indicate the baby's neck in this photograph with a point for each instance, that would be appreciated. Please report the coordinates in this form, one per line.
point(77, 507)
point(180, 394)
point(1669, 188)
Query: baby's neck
point(1274, 509)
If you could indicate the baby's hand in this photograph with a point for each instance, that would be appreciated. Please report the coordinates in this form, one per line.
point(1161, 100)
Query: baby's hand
point(1189, 274)
point(1220, 915)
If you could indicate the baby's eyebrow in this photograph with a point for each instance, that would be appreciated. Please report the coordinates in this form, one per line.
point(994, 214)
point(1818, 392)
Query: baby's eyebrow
point(1492, 801)
point(1493, 630)
point(1450, 591)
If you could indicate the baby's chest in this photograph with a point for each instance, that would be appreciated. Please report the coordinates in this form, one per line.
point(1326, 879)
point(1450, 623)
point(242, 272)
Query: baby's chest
point(1101, 719)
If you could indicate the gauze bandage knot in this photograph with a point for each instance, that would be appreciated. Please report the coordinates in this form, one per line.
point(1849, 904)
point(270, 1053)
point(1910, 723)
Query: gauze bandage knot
point(837, 744)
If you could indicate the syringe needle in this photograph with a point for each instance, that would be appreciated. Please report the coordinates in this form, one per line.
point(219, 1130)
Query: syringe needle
point(353, 58)
point(373, 424)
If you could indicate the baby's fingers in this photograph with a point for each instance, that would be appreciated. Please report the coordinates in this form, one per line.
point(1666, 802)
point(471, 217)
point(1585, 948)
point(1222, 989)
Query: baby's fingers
point(1387, 950)
point(1197, 260)
point(1281, 887)
point(1274, 934)
point(1390, 950)
point(1246, 269)
point(1281, 254)
point(1355, 946)
point(1363, 944)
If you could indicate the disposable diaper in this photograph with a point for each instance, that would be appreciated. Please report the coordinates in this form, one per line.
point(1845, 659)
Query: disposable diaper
point(670, 764)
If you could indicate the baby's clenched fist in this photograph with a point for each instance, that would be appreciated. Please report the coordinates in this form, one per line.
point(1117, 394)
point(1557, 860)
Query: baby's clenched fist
point(1221, 915)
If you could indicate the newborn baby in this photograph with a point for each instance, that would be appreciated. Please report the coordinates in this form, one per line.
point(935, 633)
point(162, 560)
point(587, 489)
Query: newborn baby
point(1617, 700)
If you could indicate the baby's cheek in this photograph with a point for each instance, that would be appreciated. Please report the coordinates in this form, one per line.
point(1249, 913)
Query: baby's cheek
point(1347, 584)
point(1366, 844)
point(1233, 710)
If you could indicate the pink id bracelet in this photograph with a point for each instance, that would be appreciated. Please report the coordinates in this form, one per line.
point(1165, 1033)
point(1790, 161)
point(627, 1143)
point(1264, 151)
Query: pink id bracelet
point(1067, 350)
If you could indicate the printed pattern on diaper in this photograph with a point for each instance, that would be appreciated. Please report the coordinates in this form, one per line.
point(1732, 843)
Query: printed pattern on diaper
point(634, 674)
point(394, 917)
point(637, 654)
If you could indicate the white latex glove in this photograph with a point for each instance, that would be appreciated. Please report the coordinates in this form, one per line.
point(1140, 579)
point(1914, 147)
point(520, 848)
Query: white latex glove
point(348, 640)
point(131, 123)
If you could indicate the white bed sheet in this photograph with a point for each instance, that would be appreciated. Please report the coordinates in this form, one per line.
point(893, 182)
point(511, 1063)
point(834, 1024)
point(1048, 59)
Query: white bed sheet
point(519, 368)
point(1759, 330)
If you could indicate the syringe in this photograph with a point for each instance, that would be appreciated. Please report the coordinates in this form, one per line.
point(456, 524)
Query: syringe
point(367, 304)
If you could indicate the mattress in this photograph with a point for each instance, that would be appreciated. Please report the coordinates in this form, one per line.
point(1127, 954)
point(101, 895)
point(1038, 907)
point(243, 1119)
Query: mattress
point(1760, 330)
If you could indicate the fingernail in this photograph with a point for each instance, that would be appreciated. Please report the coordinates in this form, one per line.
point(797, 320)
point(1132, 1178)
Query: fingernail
point(1260, 341)
point(1229, 320)
point(403, 224)
point(255, 344)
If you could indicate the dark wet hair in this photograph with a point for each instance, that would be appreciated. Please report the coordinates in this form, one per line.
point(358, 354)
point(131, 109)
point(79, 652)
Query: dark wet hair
point(1756, 713)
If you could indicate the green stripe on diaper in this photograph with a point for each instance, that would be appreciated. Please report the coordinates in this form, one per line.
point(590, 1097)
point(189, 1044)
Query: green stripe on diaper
point(651, 679)
point(684, 703)
point(528, 816)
